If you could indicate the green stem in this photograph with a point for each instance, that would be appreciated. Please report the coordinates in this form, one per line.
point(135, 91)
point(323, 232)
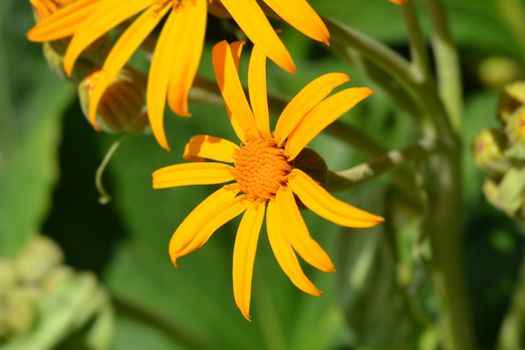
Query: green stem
point(105, 198)
point(418, 48)
point(178, 334)
point(447, 64)
point(364, 172)
point(513, 327)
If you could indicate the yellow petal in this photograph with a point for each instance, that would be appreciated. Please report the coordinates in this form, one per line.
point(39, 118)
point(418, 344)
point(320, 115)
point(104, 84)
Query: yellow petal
point(323, 115)
point(236, 48)
point(192, 174)
point(244, 256)
point(197, 228)
point(109, 14)
point(300, 15)
point(258, 29)
point(297, 232)
point(63, 23)
point(124, 48)
point(191, 27)
point(257, 88)
point(284, 253)
point(210, 147)
point(159, 75)
point(318, 200)
point(232, 91)
point(302, 103)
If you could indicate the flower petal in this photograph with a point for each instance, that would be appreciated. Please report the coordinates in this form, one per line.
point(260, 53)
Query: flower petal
point(300, 15)
point(302, 103)
point(219, 208)
point(63, 23)
point(192, 174)
point(257, 88)
point(323, 115)
point(244, 256)
point(210, 147)
point(236, 48)
point(109, 14)
point(258, 29)
point(232, 91)
point(318, 200)
point(159, 75)
point(188, 49)
point(284, 253)
point(297, 232)
point(124, 48)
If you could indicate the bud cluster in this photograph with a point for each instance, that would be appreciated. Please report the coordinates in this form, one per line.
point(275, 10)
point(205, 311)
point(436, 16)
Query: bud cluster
point(500, 154)
point(36, 291)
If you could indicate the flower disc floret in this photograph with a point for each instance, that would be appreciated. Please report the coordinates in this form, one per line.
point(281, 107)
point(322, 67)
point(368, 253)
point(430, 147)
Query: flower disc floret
point(261, 168)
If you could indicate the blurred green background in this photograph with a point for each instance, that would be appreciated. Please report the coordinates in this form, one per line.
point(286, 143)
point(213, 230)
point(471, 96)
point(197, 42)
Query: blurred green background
point(49, 155)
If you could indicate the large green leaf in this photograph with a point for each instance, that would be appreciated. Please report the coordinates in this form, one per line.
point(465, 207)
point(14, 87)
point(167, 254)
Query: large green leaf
point(31, 105)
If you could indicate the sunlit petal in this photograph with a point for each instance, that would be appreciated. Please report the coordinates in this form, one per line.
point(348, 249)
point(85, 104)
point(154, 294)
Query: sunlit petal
point(244, 256)
point(232, 91)
point(188, 44)
point(109, 14)
point(257, 89)
point(192, 174)
point(210, 147)
point(124, 48)
point(318, 200)
point(302, 103)
point(219, 208)
point(297, 232)
point(63, 23)
point(302, 17)
point(257, 28)
point(323, 115)
point(284, 253)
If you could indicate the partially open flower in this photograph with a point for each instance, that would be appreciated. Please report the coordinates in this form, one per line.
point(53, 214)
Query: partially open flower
point(511, 99)
point(122, 107)
point(515, 127)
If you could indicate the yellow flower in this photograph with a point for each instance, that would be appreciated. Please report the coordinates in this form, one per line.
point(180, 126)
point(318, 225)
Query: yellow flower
point(178, 50)
point(263, 174)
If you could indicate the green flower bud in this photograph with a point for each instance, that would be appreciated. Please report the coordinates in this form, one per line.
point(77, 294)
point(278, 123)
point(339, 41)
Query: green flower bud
point(515, 127)
point(498, 71)
point(38, 258)
point(511, 99)
point(20, 311)
point(8, 277)
point(122, 106)
point(488, 152)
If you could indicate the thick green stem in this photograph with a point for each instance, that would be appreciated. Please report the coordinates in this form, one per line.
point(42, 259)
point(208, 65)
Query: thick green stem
point(364, 172)
point(447, 64)
point(444, 228)
point(511, 335)
point(418, 48)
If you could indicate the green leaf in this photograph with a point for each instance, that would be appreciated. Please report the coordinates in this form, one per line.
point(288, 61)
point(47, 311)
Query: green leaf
point(31, 104)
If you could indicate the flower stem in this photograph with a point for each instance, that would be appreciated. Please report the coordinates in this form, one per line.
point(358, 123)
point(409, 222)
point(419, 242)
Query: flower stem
point(420, 61)
point(364, 172)
point(447, 63)
point(513, 327)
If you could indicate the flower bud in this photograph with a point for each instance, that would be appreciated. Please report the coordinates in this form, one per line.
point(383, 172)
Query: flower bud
point(122, 106)
point(515, 127)
point(497, 71)
point(511, 99)
point(488, 152)
point(38, 258)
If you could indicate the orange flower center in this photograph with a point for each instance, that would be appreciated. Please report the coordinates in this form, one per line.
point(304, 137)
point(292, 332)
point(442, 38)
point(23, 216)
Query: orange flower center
point(261, 168)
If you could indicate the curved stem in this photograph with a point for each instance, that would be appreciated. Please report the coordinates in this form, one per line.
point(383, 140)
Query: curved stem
point(418, 48)
point(105, 198)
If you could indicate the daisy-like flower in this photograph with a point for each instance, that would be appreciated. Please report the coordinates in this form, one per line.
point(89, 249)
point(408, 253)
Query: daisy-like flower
point(265, 180)
point(177, 54)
